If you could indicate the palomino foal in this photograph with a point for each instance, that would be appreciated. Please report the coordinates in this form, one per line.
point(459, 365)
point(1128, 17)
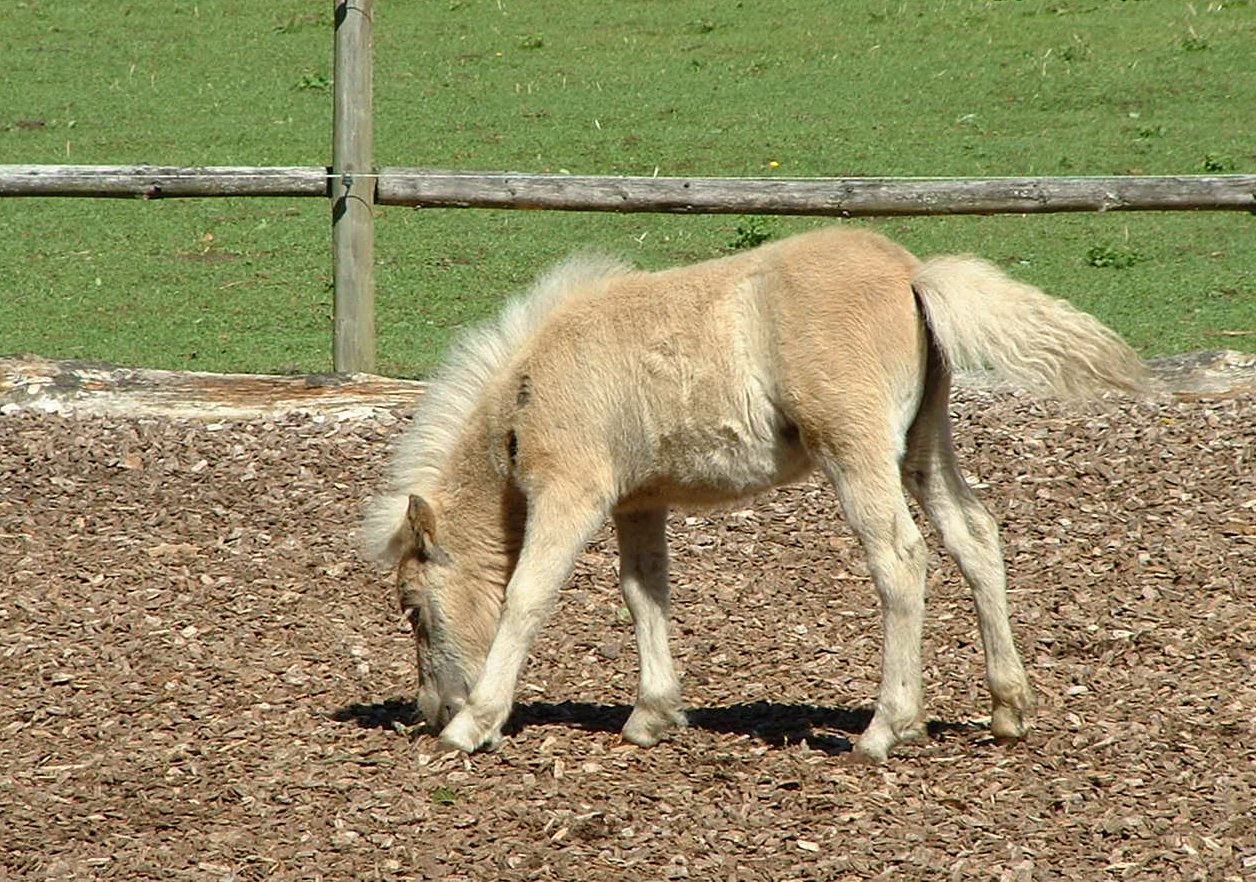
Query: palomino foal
point(611, 392)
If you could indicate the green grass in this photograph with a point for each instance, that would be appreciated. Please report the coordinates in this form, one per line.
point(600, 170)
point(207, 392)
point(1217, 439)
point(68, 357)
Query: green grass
point(790, 88)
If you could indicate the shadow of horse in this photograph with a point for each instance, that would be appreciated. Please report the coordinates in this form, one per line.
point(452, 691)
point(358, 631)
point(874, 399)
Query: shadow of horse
point(830, 730)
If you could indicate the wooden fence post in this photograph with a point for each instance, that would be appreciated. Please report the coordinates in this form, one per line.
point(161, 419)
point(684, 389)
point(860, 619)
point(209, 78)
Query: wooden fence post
point(353, 190)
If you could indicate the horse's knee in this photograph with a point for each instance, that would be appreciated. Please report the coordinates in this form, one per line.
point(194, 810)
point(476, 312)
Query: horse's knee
point(898, 564)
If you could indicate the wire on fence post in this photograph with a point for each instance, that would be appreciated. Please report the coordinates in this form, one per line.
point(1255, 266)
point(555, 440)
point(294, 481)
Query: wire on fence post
point(352, 189)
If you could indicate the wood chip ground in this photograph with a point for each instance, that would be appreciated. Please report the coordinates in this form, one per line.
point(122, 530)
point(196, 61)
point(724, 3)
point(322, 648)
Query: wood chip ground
point(200, 681)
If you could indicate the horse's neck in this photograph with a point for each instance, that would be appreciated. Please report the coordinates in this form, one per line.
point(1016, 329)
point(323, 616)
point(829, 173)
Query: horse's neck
point(483, 519)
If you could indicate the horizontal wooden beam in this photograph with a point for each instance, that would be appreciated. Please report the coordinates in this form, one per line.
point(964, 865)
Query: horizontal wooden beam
point(837, 197)
point(160, 182)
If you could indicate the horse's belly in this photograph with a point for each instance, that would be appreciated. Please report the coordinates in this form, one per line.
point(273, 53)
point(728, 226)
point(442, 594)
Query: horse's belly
point(711, 463)
point(707, 427)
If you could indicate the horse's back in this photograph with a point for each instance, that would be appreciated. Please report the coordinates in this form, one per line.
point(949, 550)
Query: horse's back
point(710, 381)
point(832, 293)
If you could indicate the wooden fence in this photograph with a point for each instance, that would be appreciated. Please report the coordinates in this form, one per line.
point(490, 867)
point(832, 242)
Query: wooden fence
point(835, 197)
point(354, 186)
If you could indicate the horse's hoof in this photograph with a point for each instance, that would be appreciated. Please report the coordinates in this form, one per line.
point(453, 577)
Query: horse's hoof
point(868, 754)
point(1008, 724)
point(462, 733)
point(465, 733)
point(647, 728)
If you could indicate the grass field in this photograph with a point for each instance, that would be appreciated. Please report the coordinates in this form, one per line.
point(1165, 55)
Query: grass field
point(791, 88)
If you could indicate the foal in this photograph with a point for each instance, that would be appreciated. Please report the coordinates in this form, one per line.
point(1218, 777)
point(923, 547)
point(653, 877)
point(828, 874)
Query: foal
point(612, 392)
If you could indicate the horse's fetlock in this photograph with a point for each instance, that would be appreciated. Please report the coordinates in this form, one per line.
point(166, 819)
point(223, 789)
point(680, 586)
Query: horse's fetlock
point(1012, 692)
point(913, 731)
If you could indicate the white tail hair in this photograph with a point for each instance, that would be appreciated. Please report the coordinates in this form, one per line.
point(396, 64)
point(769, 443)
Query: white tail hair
point(982, 317)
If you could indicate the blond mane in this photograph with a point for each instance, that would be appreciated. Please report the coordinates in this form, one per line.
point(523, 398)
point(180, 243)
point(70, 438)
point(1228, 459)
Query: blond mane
point(474, 360)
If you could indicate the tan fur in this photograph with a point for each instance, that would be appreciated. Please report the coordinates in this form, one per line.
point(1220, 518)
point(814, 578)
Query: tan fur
point(618, 392)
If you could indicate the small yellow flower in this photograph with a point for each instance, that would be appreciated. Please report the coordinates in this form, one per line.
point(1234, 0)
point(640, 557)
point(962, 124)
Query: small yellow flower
point(773, 164)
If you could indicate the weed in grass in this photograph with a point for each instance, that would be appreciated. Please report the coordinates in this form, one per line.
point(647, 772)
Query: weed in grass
point(299, 21)
point(1077, 49)
point(1193, 42)
point(1213, 163)
point(1113, 257)
point(314, 83)
point(751, 232)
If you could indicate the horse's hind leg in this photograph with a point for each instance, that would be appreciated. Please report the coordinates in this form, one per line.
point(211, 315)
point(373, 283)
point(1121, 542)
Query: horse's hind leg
point(643, 581)
point(871, 493)
point(971, 535)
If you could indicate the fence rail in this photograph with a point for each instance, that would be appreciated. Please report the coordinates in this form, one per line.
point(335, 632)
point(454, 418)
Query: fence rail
point(837, 197)
point(160, 182)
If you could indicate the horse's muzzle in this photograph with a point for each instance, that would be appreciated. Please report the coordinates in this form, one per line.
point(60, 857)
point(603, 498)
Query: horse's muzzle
point(447, 710)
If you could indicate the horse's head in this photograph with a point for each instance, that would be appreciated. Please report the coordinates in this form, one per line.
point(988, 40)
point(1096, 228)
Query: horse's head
point(436, 589)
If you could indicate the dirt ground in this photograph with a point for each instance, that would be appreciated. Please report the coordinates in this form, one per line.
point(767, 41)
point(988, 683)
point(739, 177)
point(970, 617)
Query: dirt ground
point(200, 681)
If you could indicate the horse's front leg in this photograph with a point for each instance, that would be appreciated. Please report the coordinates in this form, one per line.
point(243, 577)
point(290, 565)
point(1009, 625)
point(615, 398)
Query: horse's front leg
point(560, 524)
point(643, 581)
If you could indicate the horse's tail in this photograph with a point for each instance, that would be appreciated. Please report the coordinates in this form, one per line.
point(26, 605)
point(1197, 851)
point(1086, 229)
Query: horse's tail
point(982, 317)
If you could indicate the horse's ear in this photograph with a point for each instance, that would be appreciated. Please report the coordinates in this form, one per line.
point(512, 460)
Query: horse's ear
point(421, 521)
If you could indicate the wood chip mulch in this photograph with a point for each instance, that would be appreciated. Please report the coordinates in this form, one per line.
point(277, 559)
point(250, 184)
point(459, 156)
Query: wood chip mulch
point(200, 681)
